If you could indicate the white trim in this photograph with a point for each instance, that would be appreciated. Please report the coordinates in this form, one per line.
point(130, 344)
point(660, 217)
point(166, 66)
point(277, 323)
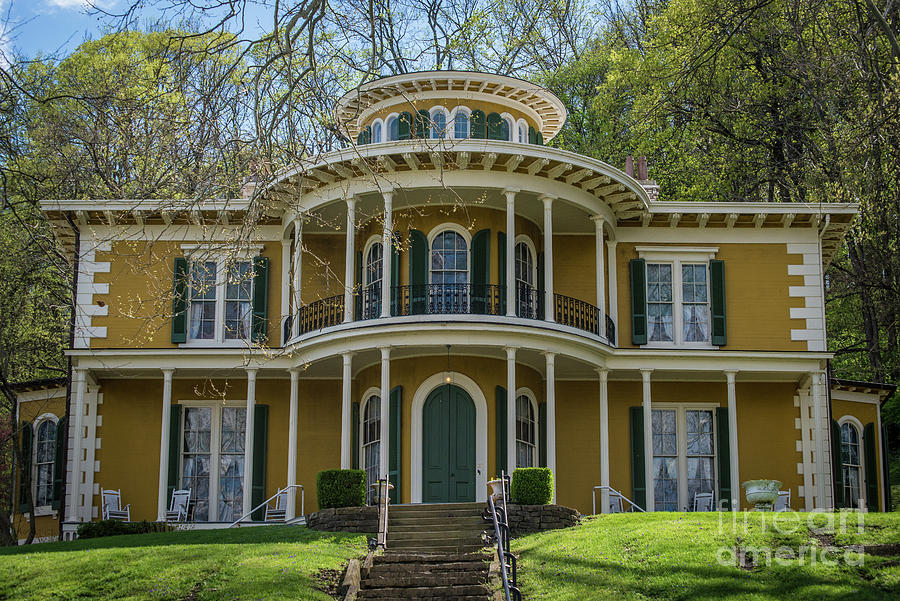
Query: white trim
point(812, 292)
point(216, 250)
point(387, 127)
point(529, 394)
point(511, 125)
point(452, 123)
point(676, 253)
point(44, 395)
point(520, 123)
point(481, 443)
point(860, 432)
point(448, 124)
point(85, 309)
point(380, 122)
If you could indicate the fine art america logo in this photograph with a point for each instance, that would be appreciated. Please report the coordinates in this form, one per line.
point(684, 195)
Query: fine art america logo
point(753, 538)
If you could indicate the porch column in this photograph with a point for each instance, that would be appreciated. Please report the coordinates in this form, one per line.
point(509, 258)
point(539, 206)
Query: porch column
point(613, 286)
point(816, 388)
point(298, 272)
point(549, 309)
point(510, 409)
point(510, 282)
point(161, 501)
point(346, 417)
point(285, 285)
point(292, 444)
point(349, 271)
point(80, 383)
point(248, 441)
point(648, 439)
point(599, 272)
point(551, 418)
point(604, 439)
point(733, 441)
point(385, 410)
point(387, 235)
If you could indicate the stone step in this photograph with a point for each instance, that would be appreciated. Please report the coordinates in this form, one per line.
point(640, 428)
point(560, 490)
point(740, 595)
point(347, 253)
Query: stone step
point(404, 557)
point(438, 520)
point(430, 506)
point(422, 579)
point(475, 591)
point(431, 539)
point(450, 548)
point(430, 567)
point(454, 526)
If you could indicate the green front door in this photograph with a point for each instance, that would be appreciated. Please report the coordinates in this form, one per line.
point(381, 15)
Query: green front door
point(448, 457)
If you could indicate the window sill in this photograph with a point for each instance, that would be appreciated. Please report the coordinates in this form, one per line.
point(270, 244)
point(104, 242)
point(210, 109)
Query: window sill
point(685, 345)
point(215, 344)
point(45, 511)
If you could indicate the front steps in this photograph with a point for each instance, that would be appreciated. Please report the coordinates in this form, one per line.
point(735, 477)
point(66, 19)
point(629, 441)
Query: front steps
point(434, 552)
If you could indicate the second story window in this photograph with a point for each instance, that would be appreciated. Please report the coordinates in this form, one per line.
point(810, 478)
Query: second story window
point(677, 302)
point(220, 300)
point(525, 275)
point(461, 125)
point(449, 273)
point(374, 276)
point(438, 124)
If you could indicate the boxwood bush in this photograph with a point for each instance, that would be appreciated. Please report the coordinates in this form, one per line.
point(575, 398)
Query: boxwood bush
point(532, 486)
point(341, 488)
point(116, 527)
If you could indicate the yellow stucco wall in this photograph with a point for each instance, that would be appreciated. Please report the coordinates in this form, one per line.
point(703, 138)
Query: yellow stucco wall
point(866, 413)
point(757, 305)
point(46, 526)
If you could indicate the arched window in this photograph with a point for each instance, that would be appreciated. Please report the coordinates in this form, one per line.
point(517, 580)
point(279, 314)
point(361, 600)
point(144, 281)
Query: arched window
point(525, 293)
point(371, 441)
point(393, 128)
point(376, 132)
point(373, 281)
point(44, 456)
point(449, 273)
point(438, 124)
point(523, 132)
point(461, 125)
point(850, 464)
point(526, 435)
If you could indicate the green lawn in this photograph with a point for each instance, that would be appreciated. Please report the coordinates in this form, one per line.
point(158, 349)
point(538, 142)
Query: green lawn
point(677, 556)
point(272, 562)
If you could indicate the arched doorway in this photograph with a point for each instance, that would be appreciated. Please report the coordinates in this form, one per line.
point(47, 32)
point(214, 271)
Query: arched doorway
point(448, 446)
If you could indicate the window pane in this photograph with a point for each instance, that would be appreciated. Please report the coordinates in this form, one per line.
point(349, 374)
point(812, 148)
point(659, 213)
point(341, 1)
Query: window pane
point(665, 484)
point(438, 124)
point(659, 302)
point(461, 126)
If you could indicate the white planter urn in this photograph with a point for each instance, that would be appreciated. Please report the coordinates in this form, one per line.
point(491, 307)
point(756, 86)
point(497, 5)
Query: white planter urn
point(496, 489)
point(376, 491)
point(762, 493)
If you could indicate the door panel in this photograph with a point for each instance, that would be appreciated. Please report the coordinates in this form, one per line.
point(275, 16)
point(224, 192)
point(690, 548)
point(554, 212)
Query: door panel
point(448, 446)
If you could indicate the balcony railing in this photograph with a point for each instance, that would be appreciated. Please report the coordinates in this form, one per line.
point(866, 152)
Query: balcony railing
point(452, 299)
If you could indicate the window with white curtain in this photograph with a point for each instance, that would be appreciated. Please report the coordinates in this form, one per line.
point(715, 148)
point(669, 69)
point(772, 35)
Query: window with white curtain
point(526, 432)
point(850, 464)
point(371, 442)
point(44, 457)
point(678, 302)
point(684, 459)
point(220, 297)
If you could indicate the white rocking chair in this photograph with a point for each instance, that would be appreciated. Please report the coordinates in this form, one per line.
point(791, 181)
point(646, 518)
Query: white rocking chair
point(615, 503)
point(783, 503)
point(278, 513)
point(703, 501)
point(112, 506)
point(178, 507)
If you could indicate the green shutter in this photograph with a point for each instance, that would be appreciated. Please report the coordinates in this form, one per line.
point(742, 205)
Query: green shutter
point(418, 271)
point(837, 468)
point(481, 271)
point(532, 135)
point(354, 435)
point(871, 467)
point(175, 417)
point(478, 129)
point(395, 274)
point(638, 475)
point(423, 124)
point(542, 434)
point(260, 322)
point(357, 289)
point(260, 444)
point(494, 127)
point(395, 457)
point(501, 270)
point(25, 468)
point(539, 139)
point(717, 301)
point(365, 136)
point(500, 414)
point(723, 453)
point(638, 301)
point(59, 465)
point(179, 301)
point(404, 124)
point(540, 286)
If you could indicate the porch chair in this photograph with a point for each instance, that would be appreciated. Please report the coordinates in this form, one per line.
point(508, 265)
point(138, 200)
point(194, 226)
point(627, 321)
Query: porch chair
point(178, 507)
point(783, 503)
point(615, 503)
point(703, 501)
point(278, 513)
point(112, 506)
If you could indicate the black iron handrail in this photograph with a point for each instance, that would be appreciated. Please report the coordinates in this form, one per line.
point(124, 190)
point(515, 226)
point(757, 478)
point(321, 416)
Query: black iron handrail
point(576, 313)
point(610, 331)
point(498, 516)
point(321, 314)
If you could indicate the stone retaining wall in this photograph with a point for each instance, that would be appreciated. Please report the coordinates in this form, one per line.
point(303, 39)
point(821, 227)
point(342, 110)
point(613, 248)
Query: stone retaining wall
point(345, 519)
point(524, 519)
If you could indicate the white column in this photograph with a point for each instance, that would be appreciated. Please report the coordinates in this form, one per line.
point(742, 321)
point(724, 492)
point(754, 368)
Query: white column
point(297, 264)
point(349, 271)
point(385, 409)
point(80, 382)
point(510, 409)
point(613, 286)
point(816, 385)
point(551, 419)
point(604, 438)
point(549, 308)
point(599, 274)
point(648, 438)
point(386, 237)
point(292, 443)
point(161, 500)
point(346, 417)
point(510, 254)
point(285, 281)
point(248, 441)
point(733, 441)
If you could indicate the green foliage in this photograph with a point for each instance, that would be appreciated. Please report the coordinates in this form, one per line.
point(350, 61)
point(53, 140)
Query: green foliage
point(117, 528)
point(532, 486)
point(341, 488)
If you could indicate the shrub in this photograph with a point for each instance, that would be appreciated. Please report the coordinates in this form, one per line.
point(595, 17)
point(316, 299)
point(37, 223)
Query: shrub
point(115, 528)
point(532, 486)
point(341, 488)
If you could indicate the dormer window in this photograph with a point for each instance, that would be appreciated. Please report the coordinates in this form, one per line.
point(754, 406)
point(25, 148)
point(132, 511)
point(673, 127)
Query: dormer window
point(393, 128)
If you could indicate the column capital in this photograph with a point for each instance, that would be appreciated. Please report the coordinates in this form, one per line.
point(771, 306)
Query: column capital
point(348, 357)
point(511, 193)
point(547, 199)
point(598, 220)
point(167, 371)
point(611, 244)
point(645, 373)
point(295, 372)
point(351, 201)
point(388, 194)
point(603, 372)
point(251, 371)
point(550, 356)
point(510, 351)
point(385, 352)
point(730, 375)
